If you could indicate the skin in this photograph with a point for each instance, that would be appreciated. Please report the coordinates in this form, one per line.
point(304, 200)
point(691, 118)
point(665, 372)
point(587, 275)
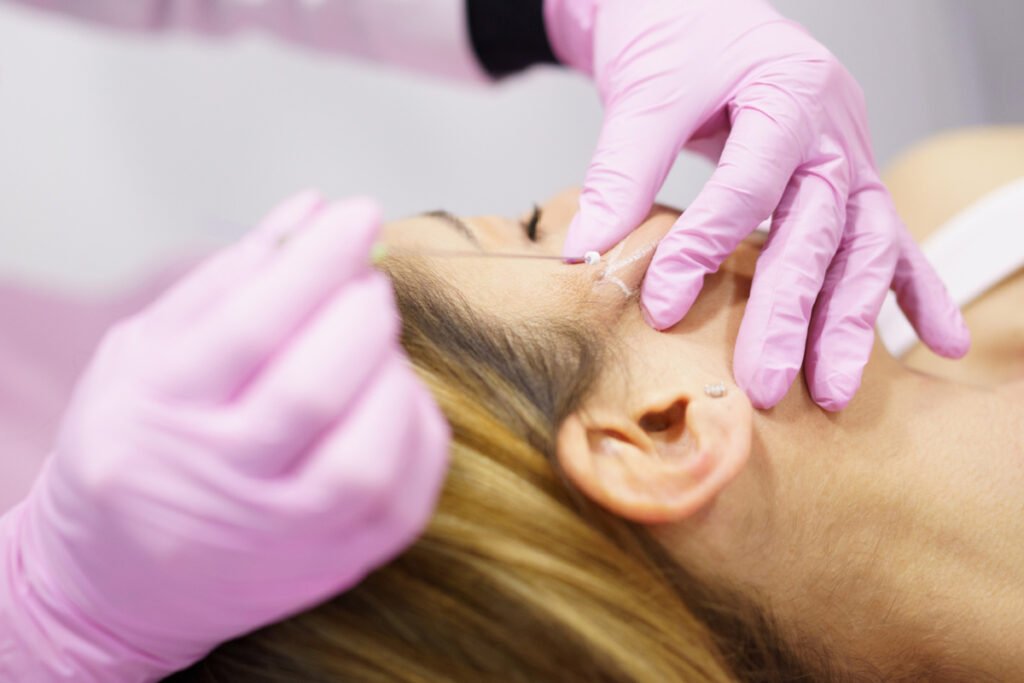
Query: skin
point(929, 186)
point(890, 533)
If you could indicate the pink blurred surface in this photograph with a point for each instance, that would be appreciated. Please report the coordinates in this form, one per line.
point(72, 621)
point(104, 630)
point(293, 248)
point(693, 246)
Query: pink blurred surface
point(47, 339)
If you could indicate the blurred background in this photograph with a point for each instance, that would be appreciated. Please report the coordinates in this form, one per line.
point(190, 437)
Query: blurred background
point(119, 151)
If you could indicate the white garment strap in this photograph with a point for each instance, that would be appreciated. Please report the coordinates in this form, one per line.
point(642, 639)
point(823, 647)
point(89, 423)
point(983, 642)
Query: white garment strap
point(424, 35)
point(972, 252)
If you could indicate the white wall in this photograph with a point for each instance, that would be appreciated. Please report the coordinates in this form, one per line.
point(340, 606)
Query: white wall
point(115, 151)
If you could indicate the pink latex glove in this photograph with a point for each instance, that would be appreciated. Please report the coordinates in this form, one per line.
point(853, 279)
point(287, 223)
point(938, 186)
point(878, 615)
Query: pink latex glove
point(736, 81)
point(249, 445)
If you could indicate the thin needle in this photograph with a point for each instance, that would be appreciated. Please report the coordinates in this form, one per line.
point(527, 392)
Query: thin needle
point(380, 251)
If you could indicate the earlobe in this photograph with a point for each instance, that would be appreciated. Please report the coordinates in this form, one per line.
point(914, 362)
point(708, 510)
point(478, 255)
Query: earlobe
point(663, 463)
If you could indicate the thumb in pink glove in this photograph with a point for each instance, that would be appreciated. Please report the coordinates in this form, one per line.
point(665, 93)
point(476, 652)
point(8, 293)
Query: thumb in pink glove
point(248, 446)
point(787, 124)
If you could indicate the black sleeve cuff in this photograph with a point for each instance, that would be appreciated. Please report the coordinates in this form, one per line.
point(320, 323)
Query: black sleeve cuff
point(508, 35)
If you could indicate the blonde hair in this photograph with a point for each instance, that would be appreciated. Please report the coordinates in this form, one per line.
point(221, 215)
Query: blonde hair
point(517, 577)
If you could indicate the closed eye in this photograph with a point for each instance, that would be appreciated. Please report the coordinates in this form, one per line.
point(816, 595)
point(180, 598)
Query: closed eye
point(532, 225)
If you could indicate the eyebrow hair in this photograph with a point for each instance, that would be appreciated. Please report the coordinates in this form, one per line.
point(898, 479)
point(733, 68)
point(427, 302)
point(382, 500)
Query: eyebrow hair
point(455, 222)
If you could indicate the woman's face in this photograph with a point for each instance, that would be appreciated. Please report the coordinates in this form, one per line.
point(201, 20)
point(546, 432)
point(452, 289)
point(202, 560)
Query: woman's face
point(605, 294)
point(521, 287)
point(835, 513)
point(648, 443)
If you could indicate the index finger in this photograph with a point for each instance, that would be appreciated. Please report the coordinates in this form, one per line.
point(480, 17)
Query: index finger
point(634, 155)
point(756, 165)
point(218, 274)
point(234, 339)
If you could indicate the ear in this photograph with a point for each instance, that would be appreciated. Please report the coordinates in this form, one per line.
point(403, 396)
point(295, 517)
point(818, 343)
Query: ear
point(662, 463)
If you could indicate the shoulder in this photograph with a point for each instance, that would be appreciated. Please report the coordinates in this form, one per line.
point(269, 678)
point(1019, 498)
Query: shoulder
point(946, 173)
point(931, 183)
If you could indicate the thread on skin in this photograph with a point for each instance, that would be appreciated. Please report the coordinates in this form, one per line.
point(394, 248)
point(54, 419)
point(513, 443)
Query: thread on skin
point(615, 265)
point(615, 253)
point(626, 291)
point(636, 256)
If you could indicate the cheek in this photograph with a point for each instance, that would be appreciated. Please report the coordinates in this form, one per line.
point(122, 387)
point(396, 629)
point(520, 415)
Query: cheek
point(670, 356)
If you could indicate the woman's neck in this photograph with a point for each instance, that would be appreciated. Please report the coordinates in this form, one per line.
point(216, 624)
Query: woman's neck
point(890, 533)
point(912, 503)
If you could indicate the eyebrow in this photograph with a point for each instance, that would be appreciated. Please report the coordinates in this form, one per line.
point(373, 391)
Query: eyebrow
point(455, 222)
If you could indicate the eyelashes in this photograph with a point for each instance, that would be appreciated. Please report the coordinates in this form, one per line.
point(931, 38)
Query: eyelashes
point(530, 227)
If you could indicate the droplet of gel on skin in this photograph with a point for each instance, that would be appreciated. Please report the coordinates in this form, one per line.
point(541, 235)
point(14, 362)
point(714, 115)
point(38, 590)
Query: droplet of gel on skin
point(592, 258)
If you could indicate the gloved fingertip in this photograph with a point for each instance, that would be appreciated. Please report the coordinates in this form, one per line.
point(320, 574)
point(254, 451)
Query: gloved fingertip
point(590, 233)
point(761, 398)
point(357, 220)
point(766, 386)
point(835, 392)
point(287, 217)
point(664, 301)
point(959, 342)
point(950, 339)
point(363, 209)
point(650, 319)
point(660, 314)
point(577, 240)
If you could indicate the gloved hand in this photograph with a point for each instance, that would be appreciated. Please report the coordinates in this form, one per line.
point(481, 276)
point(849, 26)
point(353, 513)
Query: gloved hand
point(249, 445)
point(736, 81)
